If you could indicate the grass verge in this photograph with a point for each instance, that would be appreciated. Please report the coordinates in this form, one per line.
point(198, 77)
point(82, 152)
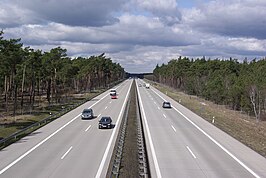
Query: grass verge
point(10, 125)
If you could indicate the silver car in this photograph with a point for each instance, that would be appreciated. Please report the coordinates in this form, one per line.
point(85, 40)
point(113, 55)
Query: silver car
point(87, 114)
point(166, 104)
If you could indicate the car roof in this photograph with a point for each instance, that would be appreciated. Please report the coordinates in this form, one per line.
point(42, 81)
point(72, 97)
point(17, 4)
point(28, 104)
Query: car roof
point(105, 118)
point(87, 110)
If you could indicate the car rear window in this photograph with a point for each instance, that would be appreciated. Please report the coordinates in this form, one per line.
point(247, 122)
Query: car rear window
point(86, 111)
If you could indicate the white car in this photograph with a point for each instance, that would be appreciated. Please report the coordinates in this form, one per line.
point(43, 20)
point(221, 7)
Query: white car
point(112, 92)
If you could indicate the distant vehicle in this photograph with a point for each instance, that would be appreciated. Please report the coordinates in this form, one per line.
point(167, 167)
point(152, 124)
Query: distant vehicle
point(87, 114)
point(147, 85)
point(113, 96)
point(167, 104)
point(140, 85)
point(112, 92)
point(105, 122)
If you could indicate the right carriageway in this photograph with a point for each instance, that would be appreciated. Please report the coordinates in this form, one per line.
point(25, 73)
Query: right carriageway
point(182, 144)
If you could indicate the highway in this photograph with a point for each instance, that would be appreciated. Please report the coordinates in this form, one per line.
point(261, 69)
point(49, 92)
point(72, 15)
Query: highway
point(68, 147)
point(181, 144)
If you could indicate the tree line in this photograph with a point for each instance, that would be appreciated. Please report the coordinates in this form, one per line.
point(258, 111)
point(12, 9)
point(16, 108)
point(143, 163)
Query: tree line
point(25, 72)
point(239, 85)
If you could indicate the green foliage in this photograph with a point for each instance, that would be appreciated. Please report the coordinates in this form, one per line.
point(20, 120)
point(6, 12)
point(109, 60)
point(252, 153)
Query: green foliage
point(25, 71)
point(227, 82)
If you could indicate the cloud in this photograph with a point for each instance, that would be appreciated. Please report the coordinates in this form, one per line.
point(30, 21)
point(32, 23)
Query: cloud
point(237, 18)
point(12, 15)
point(143, 59)
point(131, 30)
point(68, 12)
point(166, 10)
point(139, 34)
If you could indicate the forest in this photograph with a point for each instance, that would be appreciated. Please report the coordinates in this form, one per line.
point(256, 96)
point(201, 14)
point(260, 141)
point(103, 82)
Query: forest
point(238, 85)
point(27, 74)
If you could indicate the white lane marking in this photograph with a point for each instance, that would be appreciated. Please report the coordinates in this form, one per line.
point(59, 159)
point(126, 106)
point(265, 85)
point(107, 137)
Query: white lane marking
point(106, 107)
point(214, 141)
point(154, 102)
point(110, 102)
point(158, 107)
point(164, 115)
point(36, 146)
point(88, 128)
point(100, 169)
point(99, 115)
point(157, 169)
point(151, 98)
point(191, 152)
point(173, 128)
point(66, 153)
point(43, 141)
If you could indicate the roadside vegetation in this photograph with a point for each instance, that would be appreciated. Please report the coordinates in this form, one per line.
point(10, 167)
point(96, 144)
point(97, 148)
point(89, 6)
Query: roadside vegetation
point(35, 84)
point(229, 94)
point(240, 86)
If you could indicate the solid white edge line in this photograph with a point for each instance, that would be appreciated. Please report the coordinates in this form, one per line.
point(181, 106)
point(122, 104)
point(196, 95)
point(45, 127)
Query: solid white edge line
point(88, 128)
point(157, 169)
point(214, 141)
point(44, 140)
point(173, 128)
point(36, 146)
point(191, 152)
point(99, 172)
point(66, 153)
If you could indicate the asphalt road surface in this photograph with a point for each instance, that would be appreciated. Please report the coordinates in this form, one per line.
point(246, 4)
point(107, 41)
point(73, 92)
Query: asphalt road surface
point(181, 144)
point(68, 147)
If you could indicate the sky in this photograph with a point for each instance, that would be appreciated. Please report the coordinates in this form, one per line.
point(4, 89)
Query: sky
point(139, 34)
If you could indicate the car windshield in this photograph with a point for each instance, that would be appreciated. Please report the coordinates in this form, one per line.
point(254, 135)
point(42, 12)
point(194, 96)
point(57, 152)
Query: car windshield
point(86, 111)
point(166, 104)
point(105, 119)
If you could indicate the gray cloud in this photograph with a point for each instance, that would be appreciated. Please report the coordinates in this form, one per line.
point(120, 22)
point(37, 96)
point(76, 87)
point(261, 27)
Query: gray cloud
point(12, 15)
point(69, 12)
point(243, 18)
point(131, 30)
point(166, 10)
point(139, 34)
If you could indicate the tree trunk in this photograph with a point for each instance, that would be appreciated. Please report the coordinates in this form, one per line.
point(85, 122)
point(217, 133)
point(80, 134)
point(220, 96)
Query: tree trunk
point(22, 89)
point(48, 93)
point(252, 95)
point(15, 99)
point(32, 92)
point(6, 94)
